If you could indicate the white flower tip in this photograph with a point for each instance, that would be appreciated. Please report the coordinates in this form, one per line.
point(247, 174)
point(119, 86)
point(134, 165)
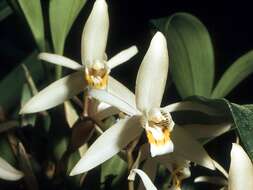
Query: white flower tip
point(134, 49)
point(100, 5)
point(237, 150)
point(159, 40)
point(75, 171)
point(43, 56)
point(8, 172)
point(157, 150)
point(24, 110)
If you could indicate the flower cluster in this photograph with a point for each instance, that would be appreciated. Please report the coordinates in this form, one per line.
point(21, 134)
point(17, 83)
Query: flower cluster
point(168, 143)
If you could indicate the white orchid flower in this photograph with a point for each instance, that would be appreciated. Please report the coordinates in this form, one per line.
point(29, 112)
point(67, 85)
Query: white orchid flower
point(7, 172)
point(147, 114)
point(94, 71)
point(240, 176)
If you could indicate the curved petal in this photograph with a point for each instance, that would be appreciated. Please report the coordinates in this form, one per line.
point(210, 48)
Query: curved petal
point(7, 172)
point(241, 170)
point(109, 98)
point(148, 184)
point(95, 33)
point(190, 106)
point(186, 146)
point(119, 90)
point(60, 60)
point(122, 57)
point(55, 94)
point(152, 74)
point(109, 144)
point(205, 131)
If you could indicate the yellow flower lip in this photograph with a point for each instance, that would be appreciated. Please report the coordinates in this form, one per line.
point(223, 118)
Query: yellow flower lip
point(161, 141)
point(97, 75)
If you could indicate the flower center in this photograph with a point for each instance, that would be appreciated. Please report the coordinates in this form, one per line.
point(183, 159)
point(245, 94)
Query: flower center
point(158, 127)
point(96, 75)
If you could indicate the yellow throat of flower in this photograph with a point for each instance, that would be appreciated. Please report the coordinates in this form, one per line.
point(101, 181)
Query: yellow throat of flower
point(161, 141)
point(158, 127)
point(97, 76)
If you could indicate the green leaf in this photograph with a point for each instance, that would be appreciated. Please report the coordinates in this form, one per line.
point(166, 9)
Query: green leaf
point(237, 72)
point(112, 172)
point(62, 14)
point(5, 10)
point(191, 53)
point(33, 14)
point(16, 78)
point(243, 118)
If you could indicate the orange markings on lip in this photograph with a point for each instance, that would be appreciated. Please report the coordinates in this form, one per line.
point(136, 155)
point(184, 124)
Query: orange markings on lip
point(93, 73)
point(159, 142)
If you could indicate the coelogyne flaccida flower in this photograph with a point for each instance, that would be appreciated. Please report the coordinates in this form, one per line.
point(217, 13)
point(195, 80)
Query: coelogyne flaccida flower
point(94, 72)
point(143, 111)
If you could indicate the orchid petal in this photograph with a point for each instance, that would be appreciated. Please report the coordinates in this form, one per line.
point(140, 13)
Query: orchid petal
point(122, 92)
point(109, 144)
point(190, 106)
point(60, 60)
point(148, 184)
point(155, 150)
point(7, 172)
point(152, 74)
point(220, 169)
point(55, 94)
point(95, 33)
point(241, 170)
point(205, 131)
point(108, 98)
point(122, 57)
point(186, 146)
point(70, 113)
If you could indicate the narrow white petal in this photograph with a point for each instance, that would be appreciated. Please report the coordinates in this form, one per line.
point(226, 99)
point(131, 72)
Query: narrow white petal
point(145, 179)
point(60, 60)
point(205, 131)
point(186, 146)
point(109, 144)
point(122, 92)
point(55, 94)
point(152, 74)
point(190, 106)
point(108, 98)
point(150, 168)
point(7, 172)
point(220, 169)
point(95, 33)
point(70, 113)
point(241, 170)
point(122, 57)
